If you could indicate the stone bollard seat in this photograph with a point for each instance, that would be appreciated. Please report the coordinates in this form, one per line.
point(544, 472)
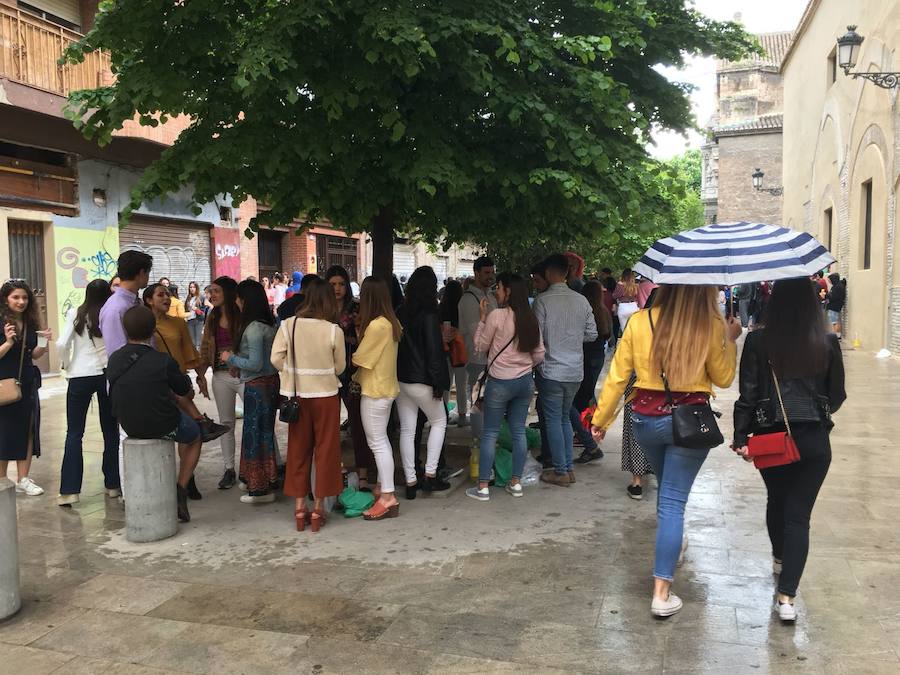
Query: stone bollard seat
point(151, 511)
point(10, 590)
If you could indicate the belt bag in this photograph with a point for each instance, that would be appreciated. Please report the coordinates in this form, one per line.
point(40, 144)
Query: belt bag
point(11, 388)
point(775, 449)
point(693, 426)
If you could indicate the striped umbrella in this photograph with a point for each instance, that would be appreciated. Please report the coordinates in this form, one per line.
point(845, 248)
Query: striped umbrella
point(727, 254)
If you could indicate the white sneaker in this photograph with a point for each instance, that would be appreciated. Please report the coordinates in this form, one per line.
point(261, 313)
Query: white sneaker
point(258, 499)
point(668, 607)
point(515, 490)
point(67, 500)
point(29, 487)
point(481, 494)
point(786, 610)
point(112, 493)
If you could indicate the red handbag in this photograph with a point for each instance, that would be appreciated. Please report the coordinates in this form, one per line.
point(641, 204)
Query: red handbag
point(456, 348)
point(775, 449)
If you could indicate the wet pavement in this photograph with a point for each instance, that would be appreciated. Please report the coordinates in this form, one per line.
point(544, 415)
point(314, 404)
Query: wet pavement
point(556, 582)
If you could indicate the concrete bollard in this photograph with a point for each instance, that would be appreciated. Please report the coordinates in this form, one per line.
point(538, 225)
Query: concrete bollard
point(10, 595)
point(151, 510)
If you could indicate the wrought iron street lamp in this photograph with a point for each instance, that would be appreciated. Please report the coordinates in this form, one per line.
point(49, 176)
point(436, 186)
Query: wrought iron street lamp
point(757, 177)
point(848, 54)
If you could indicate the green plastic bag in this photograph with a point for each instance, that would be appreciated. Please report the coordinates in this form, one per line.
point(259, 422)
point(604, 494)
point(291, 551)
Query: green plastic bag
point(502, 466)
point(355, 502)
point(504, 439)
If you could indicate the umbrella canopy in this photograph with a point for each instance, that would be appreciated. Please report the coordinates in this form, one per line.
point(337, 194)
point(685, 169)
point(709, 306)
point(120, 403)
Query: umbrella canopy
point(727, 254)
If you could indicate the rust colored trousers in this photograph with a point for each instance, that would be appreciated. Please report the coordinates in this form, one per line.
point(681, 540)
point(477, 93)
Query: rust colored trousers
point(316, 436)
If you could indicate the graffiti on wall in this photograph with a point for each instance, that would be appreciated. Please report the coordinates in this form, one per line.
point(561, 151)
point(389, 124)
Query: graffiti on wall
point(180, 264)
point(82, 255)
point(227, 243)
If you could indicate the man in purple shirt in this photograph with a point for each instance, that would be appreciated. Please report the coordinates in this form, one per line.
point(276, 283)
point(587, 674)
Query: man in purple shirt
point(134, 273)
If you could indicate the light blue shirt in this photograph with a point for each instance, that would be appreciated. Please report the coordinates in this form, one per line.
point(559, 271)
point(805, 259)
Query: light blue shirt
point(567, 322)
point(254, 355)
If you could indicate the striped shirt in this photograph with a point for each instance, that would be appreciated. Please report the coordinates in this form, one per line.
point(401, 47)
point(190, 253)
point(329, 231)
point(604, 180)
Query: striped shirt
point(567, 322)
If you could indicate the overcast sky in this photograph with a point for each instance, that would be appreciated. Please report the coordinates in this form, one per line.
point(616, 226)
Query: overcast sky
point(758, 16)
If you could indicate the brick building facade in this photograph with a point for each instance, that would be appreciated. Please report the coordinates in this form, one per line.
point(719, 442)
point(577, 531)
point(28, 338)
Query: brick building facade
point(745, 135)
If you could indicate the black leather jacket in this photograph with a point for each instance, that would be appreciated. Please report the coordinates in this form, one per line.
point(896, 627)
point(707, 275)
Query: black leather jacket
point(806, 399)
point(421, 358)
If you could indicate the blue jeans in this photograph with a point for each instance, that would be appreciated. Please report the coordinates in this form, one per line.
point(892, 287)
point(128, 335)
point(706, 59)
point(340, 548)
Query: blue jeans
point(79, 395)
point(509, 398)
point(556, 401)
point(675, 468)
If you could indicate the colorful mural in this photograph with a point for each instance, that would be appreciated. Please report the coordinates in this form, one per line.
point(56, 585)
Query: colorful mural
point(82, 255)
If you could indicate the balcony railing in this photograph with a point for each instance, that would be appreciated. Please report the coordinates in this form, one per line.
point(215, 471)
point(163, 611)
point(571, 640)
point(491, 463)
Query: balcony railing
point(29, 53)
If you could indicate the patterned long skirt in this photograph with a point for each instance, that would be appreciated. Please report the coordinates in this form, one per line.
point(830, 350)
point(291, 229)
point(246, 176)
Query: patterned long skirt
point(633, 459)
point(258, 446)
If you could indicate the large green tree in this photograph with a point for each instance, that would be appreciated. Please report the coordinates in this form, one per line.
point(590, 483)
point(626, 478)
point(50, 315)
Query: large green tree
point(676, 206)
point(492, 121)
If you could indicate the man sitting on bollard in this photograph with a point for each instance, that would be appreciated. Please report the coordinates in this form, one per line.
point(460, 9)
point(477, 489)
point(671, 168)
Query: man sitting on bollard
point(143, 384)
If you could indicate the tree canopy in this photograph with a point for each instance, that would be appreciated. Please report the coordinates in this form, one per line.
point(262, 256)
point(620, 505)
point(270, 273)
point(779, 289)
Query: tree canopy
point(676, 207)
point(481, 121)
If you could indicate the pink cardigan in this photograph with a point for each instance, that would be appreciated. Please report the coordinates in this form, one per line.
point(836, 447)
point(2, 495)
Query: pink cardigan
point(493, 334)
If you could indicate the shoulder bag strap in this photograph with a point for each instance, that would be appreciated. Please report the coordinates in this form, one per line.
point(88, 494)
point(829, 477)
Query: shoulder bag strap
point(165, 344)
point(787, 424)
point(22, 354)
point(487, 371)
point(294, 376)
point(662, 372)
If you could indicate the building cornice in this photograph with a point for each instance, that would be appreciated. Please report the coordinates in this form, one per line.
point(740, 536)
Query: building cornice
point(801, 30)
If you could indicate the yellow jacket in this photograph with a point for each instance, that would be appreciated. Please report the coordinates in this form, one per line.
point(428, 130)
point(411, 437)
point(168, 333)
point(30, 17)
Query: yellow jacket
point(633, 355)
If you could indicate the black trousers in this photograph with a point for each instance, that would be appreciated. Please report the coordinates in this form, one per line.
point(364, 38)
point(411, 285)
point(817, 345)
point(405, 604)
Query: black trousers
point(792, 491)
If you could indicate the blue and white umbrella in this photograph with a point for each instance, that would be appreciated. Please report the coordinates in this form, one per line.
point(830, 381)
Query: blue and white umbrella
point(727, 254)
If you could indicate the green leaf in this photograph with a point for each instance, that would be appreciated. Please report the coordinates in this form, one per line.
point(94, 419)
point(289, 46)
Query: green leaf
point(397, 131)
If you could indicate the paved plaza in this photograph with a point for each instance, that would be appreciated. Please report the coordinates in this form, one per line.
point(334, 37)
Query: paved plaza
point(556, 582)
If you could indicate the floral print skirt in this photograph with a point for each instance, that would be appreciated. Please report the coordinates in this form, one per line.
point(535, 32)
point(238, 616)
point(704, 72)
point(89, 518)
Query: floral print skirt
point(258, 468)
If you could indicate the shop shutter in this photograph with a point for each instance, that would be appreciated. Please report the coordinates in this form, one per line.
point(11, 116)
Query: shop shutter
point(404, 261)
point(440, 269)
point(181, 251)
point(64, 9)
point(465, 269)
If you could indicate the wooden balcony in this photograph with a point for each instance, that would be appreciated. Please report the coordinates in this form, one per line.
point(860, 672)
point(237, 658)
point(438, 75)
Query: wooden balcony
point(29, 53)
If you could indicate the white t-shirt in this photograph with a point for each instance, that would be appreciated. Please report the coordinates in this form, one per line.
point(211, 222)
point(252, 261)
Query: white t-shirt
point(280, 290)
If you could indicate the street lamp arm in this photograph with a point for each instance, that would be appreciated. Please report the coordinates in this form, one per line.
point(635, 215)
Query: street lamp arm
point(883, 80)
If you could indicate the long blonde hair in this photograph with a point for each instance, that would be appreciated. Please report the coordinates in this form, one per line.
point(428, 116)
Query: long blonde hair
point(629, 285)
point(375, 301)
point(682, 332)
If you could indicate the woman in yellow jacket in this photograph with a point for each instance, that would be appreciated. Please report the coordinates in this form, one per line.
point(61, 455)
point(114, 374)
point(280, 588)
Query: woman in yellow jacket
point(685, 336)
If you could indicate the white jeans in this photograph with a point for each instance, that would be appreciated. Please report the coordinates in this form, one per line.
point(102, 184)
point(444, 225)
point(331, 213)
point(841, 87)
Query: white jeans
point(375, 413)
point(225, 390)
point(412, 398)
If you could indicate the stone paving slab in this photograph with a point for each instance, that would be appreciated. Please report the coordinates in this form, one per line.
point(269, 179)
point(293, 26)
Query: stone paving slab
point(557, 582)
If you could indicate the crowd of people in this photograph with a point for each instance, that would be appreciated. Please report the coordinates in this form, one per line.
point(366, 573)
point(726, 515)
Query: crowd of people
point(391, 354)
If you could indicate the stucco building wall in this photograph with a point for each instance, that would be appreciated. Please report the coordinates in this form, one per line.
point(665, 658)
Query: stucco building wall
point(839, 134)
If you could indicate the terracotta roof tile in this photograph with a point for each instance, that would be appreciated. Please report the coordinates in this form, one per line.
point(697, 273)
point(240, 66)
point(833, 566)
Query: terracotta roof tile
point(775, 46)
point(763, 123)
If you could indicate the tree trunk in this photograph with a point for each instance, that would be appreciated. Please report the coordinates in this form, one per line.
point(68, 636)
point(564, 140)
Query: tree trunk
point(383, 243)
